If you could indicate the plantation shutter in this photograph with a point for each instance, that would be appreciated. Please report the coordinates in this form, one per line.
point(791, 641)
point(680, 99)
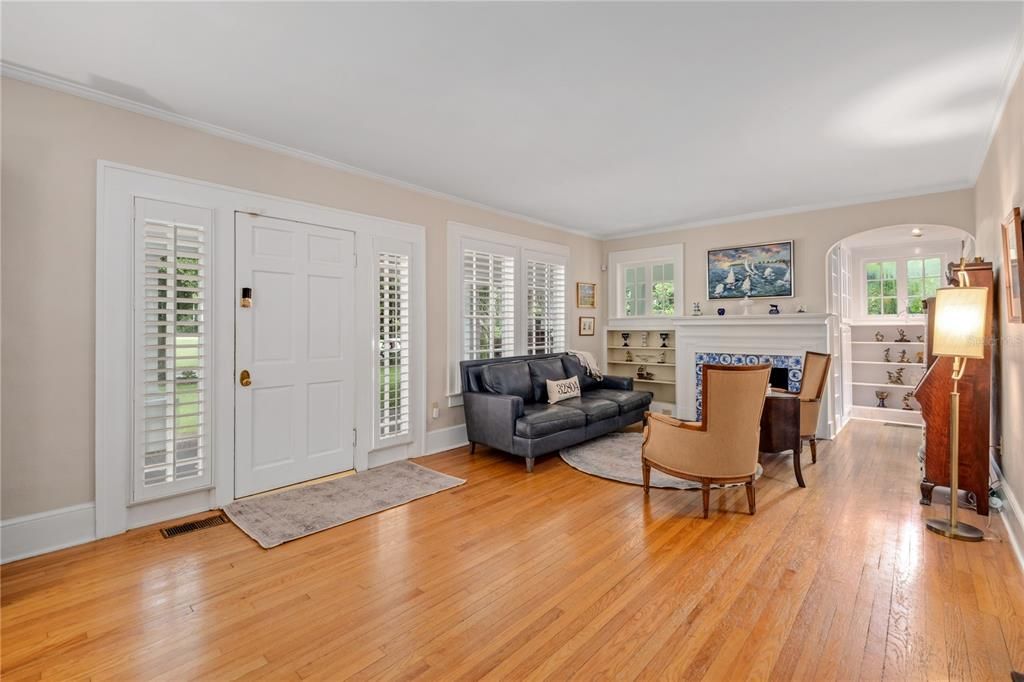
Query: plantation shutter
point(545, 307)
point(171, 403)
point(488, 299)
point(393, 345)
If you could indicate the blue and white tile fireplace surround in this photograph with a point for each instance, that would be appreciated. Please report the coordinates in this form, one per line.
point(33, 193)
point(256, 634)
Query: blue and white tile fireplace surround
point(779, 340)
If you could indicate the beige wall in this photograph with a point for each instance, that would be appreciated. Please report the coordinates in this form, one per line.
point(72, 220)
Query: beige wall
point(1001, 187)
point(50, 143)
point(813, 234)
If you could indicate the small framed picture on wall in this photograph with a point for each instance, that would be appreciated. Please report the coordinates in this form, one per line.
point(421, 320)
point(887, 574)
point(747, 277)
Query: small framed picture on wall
point(587, 325)
point(1013, 264)
point(586, 295)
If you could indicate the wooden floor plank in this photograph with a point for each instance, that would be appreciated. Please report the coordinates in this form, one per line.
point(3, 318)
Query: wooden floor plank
point(550, 575)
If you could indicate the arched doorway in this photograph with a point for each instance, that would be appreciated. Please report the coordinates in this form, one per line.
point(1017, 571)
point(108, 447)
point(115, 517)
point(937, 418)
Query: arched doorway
point(876, 282)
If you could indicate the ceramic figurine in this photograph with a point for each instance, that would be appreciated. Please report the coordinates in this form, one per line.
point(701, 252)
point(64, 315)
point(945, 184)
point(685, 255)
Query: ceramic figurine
point(641, 371)
point(897, 376)
point(664, 339)
point(881, 395)
point(773, 308)
point(629, 356)
point(746, 304)
point(886, 355)
point(920, 357)
point(906, 400)
point(661, 358)
point(625, 339)
point(920, 338)
point(902, 338)
point(721, 312)
point(643, 339)
point(696, 309)
point(802, 309)
point(879, 336)
point(903, 356)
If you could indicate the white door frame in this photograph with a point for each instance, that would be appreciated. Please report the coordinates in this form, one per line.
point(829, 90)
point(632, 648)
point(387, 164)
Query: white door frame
point(116, 187)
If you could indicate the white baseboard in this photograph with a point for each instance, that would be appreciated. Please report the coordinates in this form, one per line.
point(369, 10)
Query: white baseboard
point(446, 439)
point(27, 536)
point(1013, 517)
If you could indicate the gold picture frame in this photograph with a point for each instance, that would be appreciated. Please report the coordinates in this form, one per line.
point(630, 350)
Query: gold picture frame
point(1013, 264)
point(588, 325)
point(586, 295)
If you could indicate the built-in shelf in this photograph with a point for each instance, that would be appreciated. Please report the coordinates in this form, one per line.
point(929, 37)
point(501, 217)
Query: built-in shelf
point(878, 323)
point(888, 343)
point(641, 348)
point(909, 387)
point(652, 381)
point(918, 365)
point(649, 364)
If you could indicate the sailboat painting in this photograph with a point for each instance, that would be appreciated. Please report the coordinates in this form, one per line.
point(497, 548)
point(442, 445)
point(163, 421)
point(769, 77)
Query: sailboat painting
point(758, 271)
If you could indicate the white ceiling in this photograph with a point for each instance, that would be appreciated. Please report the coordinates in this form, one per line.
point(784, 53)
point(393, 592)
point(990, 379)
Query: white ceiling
point(604, 118)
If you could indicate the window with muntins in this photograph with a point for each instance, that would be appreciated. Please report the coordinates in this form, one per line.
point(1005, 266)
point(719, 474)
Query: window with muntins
point(881, 288)
point(488, 300)
point(924, 277)
point(393, 344)
point(648, 289)
point(545, 307)
point(171, 281)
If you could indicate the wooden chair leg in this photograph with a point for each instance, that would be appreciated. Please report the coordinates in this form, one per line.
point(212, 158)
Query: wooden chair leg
point(705, 491)
point(751, 502)
point(647, 477)
point(814, 450)
point(796, 466)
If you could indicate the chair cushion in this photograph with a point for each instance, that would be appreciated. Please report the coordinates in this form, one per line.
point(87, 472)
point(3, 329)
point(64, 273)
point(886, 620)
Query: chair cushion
point(573, 368)
point(509, 378)
point(627, 401)
point(540, 419)
point(540, 372)
point(596, 409)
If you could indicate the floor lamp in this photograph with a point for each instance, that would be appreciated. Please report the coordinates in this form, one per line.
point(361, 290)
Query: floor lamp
point(960, 316)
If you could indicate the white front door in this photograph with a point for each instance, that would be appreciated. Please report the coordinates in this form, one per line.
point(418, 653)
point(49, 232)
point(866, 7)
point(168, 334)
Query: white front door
point(294, 421)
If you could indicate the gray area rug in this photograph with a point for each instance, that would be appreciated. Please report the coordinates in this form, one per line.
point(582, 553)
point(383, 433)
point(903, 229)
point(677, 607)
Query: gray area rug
point(277, 518)
point(616, 456)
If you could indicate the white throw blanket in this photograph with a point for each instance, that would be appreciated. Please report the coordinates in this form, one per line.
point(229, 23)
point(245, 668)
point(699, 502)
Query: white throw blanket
point(589, 363)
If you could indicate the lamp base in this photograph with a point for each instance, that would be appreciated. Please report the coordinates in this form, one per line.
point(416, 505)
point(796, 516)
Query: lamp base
point(962, 531)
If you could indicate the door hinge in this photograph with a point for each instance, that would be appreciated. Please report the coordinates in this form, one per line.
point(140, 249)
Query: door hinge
point(355, 437)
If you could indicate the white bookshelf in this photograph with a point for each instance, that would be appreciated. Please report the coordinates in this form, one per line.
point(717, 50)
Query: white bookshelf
point(629, 360)
point(870, 372)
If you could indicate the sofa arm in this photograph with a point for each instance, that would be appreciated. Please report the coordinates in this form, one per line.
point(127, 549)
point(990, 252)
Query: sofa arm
point(491, 418)
point(617, 383)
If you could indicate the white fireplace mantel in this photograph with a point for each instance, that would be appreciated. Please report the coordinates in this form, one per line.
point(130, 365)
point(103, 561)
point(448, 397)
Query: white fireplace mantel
point(792, 334)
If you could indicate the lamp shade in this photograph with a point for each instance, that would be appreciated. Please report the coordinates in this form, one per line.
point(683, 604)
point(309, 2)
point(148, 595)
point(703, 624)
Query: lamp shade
point(960, 315)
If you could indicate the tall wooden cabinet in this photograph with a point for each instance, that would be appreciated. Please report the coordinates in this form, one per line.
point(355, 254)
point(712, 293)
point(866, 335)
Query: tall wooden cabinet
point(975, 388)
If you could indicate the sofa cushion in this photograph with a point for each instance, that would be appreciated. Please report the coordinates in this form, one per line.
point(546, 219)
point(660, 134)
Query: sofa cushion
point(596, 409)
point(509, 378)
point(573, 368)
point(541, 419)
point(627, 401)
point(540, 372)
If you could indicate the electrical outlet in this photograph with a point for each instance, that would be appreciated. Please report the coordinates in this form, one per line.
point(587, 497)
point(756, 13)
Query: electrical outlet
point(435, 411)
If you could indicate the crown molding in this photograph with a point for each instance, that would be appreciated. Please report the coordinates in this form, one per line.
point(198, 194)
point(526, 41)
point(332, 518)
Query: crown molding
point(40, 79)
point(791, 210)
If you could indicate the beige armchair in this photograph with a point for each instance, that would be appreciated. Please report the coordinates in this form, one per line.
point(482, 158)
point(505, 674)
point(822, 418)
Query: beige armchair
point(723, 447)
point(812, 387)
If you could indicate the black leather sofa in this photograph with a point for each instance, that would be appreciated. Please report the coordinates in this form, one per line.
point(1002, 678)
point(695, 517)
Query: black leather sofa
point(506, 406)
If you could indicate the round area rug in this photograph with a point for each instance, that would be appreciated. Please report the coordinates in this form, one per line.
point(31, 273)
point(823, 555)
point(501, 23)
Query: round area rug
point(616, 456)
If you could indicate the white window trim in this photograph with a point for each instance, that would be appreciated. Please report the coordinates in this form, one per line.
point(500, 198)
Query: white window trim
point(900, 254)
point(461, 236)
point(117, 186)
point(619, 260)
point(387, 245)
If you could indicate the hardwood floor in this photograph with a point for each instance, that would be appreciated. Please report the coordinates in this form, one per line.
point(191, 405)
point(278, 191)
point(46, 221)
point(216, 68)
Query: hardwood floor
point(554, 574)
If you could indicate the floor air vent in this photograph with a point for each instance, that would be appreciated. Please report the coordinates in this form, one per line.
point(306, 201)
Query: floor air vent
point(182, 528)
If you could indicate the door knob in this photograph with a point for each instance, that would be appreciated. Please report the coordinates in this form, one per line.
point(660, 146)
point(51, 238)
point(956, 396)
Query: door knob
point(244, 378)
